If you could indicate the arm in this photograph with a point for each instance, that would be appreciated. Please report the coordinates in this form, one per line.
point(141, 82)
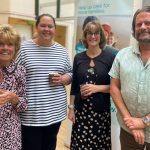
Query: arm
point(73, 92)
point(66, 79)
point(119, 102)
point(136, 123)
point(117, 97)
point(71, 113)
point(89, 89)
point(21, 90)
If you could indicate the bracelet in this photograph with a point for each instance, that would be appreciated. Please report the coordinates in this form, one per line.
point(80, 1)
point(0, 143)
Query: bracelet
point(70, 106)
point(146, 120)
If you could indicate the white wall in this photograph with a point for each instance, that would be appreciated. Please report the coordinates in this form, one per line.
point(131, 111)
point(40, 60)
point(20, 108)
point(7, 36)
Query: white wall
point(137, 4)
point(4, 6)
point(67, 10)
point(50, 10)
point(66, 7)
point(23, 9)
point(25, 31)
point(69, 24)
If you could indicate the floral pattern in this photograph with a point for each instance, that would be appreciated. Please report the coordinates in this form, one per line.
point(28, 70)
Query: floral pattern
point(10, 125)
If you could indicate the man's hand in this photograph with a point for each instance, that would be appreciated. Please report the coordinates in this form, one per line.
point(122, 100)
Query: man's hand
point(134, 123)
point(138, 136)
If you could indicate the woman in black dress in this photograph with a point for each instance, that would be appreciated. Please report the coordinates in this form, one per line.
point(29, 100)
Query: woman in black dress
point(89, 108)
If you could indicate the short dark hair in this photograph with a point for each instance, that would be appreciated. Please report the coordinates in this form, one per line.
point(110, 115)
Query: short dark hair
point(99, 28)
point(88, 19)
point(144, 9)
point(42, 15)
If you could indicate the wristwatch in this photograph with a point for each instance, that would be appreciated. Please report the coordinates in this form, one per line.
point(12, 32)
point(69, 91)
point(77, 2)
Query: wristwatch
point(146, 120)
point(70, 106)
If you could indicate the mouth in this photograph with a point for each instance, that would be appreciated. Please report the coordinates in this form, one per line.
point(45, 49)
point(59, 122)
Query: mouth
point(144, 34)
point(4, 53)
point(93, 39)
point(46, 33)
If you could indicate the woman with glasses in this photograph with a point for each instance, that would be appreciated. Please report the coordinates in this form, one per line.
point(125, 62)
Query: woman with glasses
point(89, 108)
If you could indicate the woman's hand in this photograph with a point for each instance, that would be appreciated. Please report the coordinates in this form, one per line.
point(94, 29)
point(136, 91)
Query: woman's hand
point(59, 79)
point(3, 97)
point(88, 89)
point(56, 79)
point(7, 96)
point(71, 115)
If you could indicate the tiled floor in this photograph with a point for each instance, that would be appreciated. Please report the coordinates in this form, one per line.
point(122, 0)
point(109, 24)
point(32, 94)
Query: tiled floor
point(62, 136)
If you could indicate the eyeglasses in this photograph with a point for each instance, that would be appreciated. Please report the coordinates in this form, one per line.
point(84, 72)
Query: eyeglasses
point(91, 33)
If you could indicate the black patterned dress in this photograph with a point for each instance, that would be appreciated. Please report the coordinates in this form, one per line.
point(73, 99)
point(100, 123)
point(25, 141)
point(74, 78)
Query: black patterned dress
point(91, 130)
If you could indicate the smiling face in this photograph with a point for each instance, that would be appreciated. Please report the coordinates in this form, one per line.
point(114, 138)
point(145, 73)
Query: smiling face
point(46, 29)
point(9, 44)
point(7, 51)
point(94, 35)
point(142, 27)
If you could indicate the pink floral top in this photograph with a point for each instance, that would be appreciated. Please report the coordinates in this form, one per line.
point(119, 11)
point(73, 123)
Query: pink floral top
point(10, 125)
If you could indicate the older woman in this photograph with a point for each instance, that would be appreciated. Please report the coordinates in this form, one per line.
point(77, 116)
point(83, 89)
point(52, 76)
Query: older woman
point(89, 108)
point(12, 90)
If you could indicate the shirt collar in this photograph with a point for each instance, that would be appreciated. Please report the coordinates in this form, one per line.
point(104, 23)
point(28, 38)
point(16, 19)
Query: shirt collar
point(11, 68)
point(135, 48)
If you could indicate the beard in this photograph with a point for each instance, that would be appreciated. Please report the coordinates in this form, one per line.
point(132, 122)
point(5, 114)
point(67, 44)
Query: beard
point(143, 37)
point(146, 41)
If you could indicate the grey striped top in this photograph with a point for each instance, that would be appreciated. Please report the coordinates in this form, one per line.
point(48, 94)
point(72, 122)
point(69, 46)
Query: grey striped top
point(47, 104)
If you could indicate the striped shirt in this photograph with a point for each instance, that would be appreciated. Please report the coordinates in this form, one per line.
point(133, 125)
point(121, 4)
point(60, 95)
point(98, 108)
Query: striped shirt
point(135, 84)
point(47, 104)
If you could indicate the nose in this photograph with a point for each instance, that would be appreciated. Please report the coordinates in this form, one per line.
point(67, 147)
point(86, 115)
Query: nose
point(143, 25)
point(5, 46)
point(46, 28)
point(93, 34)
